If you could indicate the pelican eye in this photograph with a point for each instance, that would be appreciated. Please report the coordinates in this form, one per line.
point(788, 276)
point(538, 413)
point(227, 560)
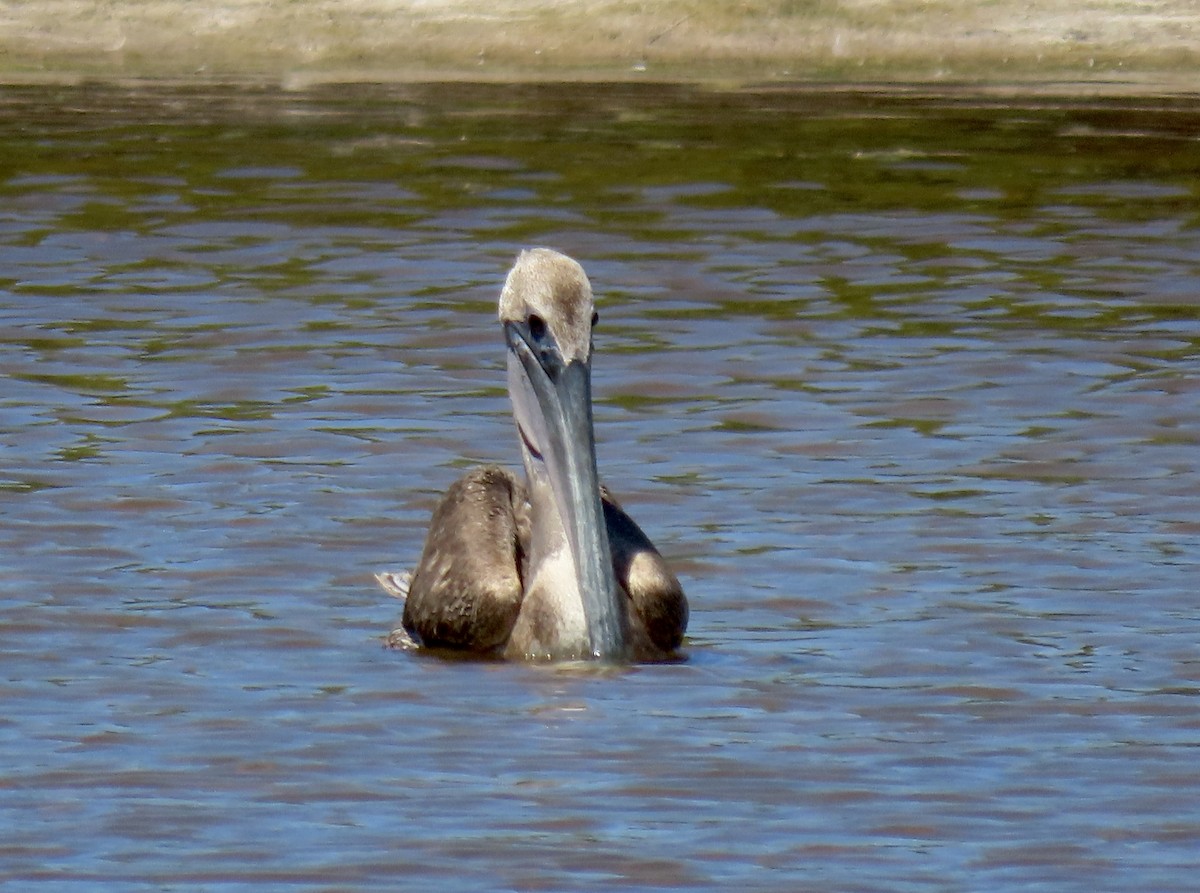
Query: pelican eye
point(537, 327)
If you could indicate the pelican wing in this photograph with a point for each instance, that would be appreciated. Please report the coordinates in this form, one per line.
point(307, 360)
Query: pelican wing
point(466, 591)
point(660, 610)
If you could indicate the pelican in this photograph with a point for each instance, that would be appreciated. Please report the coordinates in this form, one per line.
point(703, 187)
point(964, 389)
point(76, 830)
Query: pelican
point(551, 568)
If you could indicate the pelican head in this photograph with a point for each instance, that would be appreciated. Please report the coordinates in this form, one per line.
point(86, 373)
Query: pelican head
point(547, 310)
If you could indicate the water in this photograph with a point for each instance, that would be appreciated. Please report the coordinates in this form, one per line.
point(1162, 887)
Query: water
point(906, 389)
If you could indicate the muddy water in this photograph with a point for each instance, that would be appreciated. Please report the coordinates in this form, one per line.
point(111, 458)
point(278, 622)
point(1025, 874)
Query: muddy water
point(907, 389)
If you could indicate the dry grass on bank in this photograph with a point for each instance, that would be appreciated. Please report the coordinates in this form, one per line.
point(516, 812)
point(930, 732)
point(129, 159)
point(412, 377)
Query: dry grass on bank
point(982, 41)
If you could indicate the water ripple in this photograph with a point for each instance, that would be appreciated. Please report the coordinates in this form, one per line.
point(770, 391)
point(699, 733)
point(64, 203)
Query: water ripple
point(904, 388)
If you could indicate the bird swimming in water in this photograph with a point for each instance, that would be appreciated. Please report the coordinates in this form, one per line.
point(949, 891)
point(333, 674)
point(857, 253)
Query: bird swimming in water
point(551, 568)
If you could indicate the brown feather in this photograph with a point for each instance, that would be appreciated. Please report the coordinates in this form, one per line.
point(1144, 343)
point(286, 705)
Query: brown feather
point(467, 588)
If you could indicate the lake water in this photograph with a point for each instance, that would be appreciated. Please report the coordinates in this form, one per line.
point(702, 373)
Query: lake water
point(907, 388)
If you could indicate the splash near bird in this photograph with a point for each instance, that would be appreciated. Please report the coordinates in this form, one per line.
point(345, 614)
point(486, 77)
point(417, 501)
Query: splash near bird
point(551, 568)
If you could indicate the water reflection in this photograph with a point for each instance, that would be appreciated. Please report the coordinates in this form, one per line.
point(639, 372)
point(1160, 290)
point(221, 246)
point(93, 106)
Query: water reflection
point(905, 388)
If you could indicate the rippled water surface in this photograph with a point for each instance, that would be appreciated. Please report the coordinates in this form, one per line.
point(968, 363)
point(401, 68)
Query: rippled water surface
point(906, 388)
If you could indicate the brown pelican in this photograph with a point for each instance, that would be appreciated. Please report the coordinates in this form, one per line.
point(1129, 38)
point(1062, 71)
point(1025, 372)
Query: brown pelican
point(553, 568)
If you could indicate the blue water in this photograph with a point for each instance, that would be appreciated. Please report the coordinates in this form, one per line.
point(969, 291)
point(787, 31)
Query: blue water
point(905, 388)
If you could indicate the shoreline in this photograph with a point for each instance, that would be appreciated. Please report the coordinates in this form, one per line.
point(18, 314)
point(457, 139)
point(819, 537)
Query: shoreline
point(1063, 48)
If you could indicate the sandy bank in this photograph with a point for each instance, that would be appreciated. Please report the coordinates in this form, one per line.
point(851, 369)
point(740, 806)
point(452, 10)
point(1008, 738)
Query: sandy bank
point(1114, 45)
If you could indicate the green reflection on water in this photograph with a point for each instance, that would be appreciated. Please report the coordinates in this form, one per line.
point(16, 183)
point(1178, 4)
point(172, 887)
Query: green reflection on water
point(84, 383)
point(138, 159)
point(665, 171)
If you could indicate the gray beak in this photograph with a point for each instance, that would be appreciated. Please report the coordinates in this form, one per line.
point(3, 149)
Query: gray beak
point(553, 404)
